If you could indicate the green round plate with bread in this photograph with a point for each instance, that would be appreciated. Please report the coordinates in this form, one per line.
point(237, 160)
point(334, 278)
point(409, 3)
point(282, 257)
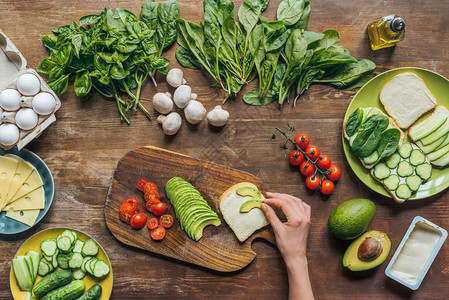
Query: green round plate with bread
point(368, 96)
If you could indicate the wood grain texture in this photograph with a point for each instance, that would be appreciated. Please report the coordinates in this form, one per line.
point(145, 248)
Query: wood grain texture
point(83, 146)
point(218, 249)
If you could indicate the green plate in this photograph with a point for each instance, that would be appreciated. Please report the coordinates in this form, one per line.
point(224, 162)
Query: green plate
point(368, 96)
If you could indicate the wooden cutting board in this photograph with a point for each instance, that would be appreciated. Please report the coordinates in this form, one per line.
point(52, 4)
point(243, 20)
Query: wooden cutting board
point(218, 249)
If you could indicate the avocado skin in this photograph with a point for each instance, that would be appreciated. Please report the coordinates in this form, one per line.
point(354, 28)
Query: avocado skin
point(351, 218)
point(351, 260)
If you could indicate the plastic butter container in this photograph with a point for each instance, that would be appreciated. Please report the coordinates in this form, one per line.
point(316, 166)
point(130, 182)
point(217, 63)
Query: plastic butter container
point(24, 113)
point(415, 254)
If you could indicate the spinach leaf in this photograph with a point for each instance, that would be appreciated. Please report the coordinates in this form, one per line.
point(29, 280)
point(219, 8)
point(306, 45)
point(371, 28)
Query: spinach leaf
point(388, 143)
point(187, 59)
point(149, 15)
point(89, 20)
point(354, 121)
point(360, 82)
point(82, 84)
point(167, 12)
point(252, 98)
point(291, 11)
point(350, 73)
point(59, 85)
point(367, 140)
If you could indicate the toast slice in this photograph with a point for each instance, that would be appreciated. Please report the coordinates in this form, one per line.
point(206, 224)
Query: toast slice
point(406, 98)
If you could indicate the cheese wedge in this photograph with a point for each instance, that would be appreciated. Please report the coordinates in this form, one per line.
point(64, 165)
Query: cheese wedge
point(31, 201)
point(22, 173)
point(27, 217)
point(8, 167)
point(33, 182)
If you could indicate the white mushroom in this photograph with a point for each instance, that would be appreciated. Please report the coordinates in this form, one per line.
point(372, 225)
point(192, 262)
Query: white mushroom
point(218, 116)
point(182, 96)
point(175, 77)
point(194, 112)
point(162, 103)
point(170, 123)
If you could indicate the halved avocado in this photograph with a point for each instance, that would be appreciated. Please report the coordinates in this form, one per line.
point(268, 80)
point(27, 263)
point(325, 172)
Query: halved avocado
point(250, 204)
point(367, 251)
point(197, 228)
point(248, 190)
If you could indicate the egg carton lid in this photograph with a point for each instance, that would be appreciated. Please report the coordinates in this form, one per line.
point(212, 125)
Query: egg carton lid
point(11, 60)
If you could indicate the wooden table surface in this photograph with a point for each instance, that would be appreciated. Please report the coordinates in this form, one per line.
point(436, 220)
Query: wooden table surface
point(82, 149)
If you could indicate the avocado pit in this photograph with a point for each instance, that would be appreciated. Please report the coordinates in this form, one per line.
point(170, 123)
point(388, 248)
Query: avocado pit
point(369, 249)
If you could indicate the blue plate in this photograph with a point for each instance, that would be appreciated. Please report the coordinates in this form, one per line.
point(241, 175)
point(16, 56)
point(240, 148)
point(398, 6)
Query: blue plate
point(10, 226)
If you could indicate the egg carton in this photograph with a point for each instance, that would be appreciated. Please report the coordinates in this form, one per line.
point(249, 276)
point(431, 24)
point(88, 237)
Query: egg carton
point(12, 66)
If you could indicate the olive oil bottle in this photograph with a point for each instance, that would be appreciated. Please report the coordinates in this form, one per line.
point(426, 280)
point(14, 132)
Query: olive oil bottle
point(386, 31)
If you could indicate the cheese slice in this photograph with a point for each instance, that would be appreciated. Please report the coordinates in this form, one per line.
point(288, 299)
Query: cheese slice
point(8, 167)
point(31, 201)
point(27, 217)
point(33, 182)
point(22, 173)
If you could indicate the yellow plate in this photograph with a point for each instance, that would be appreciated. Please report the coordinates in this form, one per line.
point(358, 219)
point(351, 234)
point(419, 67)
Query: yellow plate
point(33, 243)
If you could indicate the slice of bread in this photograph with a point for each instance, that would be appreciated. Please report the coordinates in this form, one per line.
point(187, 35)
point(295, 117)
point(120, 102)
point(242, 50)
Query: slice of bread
point(243, 224)
point(406, 98)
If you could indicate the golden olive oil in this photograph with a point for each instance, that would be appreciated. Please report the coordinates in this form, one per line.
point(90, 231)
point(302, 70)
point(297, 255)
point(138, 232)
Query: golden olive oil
point(386, 31)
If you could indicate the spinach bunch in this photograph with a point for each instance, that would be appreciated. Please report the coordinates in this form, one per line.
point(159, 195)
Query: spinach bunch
point(113, 52)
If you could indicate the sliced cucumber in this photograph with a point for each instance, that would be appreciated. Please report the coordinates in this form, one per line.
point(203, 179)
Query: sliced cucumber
point(441, 131)
point(431, 147)
point(405, 169)
point(438, 153)
point(393, 161)
point(78, 246)
point(413, 182)
point(90, 248)
point(85, 260)
point(22, 273)
point(44, 267)
point(49, 247)
point(54, 259)
point(391, 182)
point(424, 171)
point(371, 159)
point(405, 150)
point(101, 268)
point(444, 143)
point(381, 171)
point(442, 161)
point(76, 260)
point(417, 157)
point(69, 234)
point(428, 126)
point(64, 243)
point(78, 274)
point(403, 191)
point(63, 260)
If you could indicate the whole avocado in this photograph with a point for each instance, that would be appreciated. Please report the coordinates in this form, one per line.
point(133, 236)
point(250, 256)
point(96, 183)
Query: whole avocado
point(351, 218)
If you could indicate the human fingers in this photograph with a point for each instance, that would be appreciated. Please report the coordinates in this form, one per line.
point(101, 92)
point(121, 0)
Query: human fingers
point(308, 210)
point(272, 217)
point(289, 207)
point(287, 197)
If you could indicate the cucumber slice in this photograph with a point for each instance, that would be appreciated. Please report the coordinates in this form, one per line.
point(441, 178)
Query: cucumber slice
point(78, 274)
point(417, 157)
point(371, 159)
point(424, 171)
point(442, 161)
point(64, 243)
point(391, 182)
point(393, 161)
point(413, 182)
point(438, 153)
point(444, 143)
point(63, 260)
point(405, 150)
point(54, 259)
point(22, 273)
point(405, 169)
point(428, 126)
point(85, 260)
point(68, 233)
point(43, 268)
point(403, 191)
point(381, 171)
point(35, 258)
point(431, 147)
point(90, 248)
point(100, 269)
point(78, 246)
point(441, 131)
point(49, 247)
point(76, 260)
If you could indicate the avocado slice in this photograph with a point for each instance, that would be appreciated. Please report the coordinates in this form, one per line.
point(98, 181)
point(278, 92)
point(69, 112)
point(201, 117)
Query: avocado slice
point(199, 225)
point(248, 190)
point(367, 251)
point(250, 204)
point(194, 220)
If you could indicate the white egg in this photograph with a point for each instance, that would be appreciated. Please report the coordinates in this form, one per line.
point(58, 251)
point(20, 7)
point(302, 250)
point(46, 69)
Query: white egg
point(26, 119)
point(10, 99)
point(9, 134)
point(44, 103)
point(28, 84)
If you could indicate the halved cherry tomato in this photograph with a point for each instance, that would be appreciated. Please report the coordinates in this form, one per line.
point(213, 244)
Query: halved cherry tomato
point(126, 212)
point(152, 223)
point(166, 221)
point(159, 209)
point(313, 182)
point(158, 233)
point(151, 195)
point(313, 152)
point(151, 203)
point(138, 220)
point(133, 202)
point(306, 168)
point(327, 187)
point(334, 173)
point(296, 157)
point(138, 210)
point(141, 184)
point(302, 141)
point(323, 162)
point(149, 186)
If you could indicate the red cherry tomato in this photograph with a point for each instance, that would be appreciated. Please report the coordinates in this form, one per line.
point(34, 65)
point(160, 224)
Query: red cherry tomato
point(313, 182)
point(152, 223)
point(306, 168)
point(133, 202)
point(159, 209)
point(323, 162)
point(302, 141)
point(313, 152)
point(151, 195)
point(158, 233)
point(138, 220)
point(327, 187)
point(126, 212)
point(296, 158)
point(141, 184)
point(334, 173)
point(150, 186)
point(166, 221)
point(151, 203)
